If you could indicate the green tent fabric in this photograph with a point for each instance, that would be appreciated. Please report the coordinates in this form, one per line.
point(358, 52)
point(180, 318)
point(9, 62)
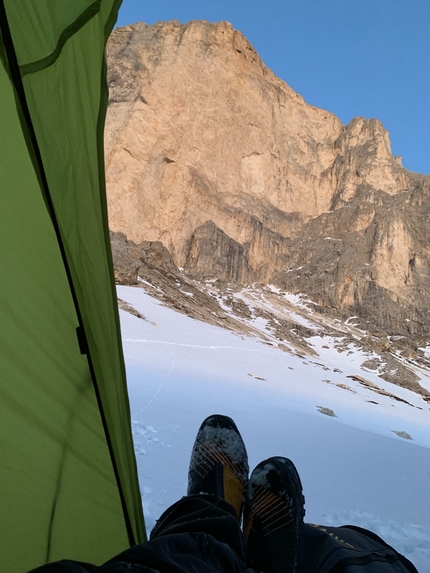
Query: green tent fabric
point(68, 479)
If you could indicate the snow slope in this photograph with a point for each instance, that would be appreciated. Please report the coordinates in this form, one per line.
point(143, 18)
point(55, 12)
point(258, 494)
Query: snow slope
point(354, 468)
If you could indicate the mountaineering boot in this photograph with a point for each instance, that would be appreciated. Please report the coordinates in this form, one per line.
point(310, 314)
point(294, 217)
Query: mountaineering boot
point(219, 462)
point(273, 516)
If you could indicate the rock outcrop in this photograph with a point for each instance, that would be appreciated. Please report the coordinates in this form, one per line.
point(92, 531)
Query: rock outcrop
point(129, 258)
point(212, 157)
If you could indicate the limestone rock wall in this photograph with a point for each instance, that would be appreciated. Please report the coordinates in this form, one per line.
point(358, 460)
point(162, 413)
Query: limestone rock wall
point(211, 154)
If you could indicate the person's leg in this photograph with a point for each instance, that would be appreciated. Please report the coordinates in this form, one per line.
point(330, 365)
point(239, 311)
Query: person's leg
point(197, 533)
point(279, 541)
point(201, 532)
point(347, 549)
point(202, 513)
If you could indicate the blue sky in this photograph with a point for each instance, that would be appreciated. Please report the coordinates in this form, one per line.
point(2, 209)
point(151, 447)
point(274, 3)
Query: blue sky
point(361, 57)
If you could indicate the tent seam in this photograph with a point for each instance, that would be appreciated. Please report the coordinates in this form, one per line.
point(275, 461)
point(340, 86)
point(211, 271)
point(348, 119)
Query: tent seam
point(140, 532)
point(67, 33)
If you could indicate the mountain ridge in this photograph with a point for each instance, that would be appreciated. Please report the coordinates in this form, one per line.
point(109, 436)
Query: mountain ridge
point(213, 156)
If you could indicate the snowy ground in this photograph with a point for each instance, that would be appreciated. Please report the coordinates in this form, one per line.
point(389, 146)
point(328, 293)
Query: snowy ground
point(354, 468)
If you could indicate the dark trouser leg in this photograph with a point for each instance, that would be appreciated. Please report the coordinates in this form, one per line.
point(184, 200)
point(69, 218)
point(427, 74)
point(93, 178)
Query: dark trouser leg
point(347, 549)
point(198, 533)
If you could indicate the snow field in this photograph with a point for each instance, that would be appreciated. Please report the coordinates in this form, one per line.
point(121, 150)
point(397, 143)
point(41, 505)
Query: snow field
point(354, 469)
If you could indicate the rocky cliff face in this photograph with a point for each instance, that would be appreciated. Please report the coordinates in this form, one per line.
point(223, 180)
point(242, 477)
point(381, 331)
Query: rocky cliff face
point(214, 157)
